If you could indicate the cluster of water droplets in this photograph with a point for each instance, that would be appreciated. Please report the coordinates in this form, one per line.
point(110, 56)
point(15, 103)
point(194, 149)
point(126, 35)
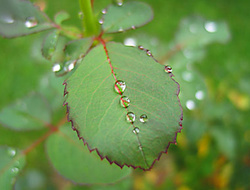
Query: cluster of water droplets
point(64, 68)
point(148, 52)
point(29, 22)
point(120, 87)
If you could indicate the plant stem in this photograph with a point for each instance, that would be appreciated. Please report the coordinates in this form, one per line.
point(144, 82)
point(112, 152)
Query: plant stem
point(89, 20)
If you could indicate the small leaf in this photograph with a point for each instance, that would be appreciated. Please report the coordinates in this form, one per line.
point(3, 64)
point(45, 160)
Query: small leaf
point(11, 163)
point(99, 110)
point(29, 113)
point(18, 18)
point(49, 44)
point(61, 16)
point(78, 164)
point(126, 17)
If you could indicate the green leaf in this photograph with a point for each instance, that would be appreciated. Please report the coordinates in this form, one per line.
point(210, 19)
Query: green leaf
point(126, 17)
point(49, 44)
point(31, 112)
point(78, 164)
point(74, 51)
point(18, 18)
point(11, 163)
point(61, 16)
point(97, 114)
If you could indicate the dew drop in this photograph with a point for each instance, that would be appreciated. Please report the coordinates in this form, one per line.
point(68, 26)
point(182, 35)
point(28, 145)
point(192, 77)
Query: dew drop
point(141, 47)
point(31, 22)
point(56, 67)
point(130, 117)
point(120, 29)
point(211, 26)
point(71, 66)
point(148, 52)
point(190, 104)
point(101, 21)
point(119, 2)
point(120, 86)
point(11, 152)
point(104, 11)
point(168, 69)
point(133, 27)
point(143, 118)
point(80, 15)
point(130, 42)
point(7, 19)
point(14, 170)
point(199, 95)
point(136, 130)
point(124, 101)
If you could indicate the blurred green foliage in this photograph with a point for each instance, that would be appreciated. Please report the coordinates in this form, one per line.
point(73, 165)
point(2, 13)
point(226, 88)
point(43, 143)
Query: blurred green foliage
point(213, 148)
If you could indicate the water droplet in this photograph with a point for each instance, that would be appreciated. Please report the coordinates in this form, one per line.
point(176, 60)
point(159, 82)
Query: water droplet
point(56, 67)
point(133, 27)
point(120, 86)
point(130, 42)
point(104, 11)
point(136, 130)
point(11, 152)
point(71, 66)
point(141, 47)
point(101, 21)
point(130, 117)
point(148, 52)
point(120, 29)
point(187, 76)
point(199, 95)
point(7, 19)
point(211, 26)
point(15, 170)
point(143, 118)
point(168, 69)
point(119, 2)
point(31, 22)
point(124, 101)
point(80, 15)
point(190, 104)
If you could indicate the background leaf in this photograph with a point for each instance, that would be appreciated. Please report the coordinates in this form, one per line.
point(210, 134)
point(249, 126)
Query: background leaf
point(126, 17)
point(95, 108)
point(49, 44)
point(78, 164)
point(18, 18)
point(11, 163)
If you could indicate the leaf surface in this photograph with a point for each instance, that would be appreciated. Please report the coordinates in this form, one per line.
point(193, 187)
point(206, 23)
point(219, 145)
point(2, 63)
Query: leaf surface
point(78, 164)
point(96, 110)
point(11, 163)
point(29, 113)
point(126, 17)
point(19, 17)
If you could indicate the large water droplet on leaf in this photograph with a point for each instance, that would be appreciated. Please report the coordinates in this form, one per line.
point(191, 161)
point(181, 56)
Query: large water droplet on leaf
point(143, 118)
point(101, 21)
point(124, 101)
point(120, 86)
point(104, 11)
point(56, 67)
point(11, 152)
point(136, 130)
point(211, 27)
point(130, 117)
point(31, 22)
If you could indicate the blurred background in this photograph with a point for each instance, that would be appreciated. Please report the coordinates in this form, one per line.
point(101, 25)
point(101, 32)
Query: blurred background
point(207, 45)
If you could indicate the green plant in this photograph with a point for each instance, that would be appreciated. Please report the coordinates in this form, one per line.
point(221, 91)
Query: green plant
point(145, 113)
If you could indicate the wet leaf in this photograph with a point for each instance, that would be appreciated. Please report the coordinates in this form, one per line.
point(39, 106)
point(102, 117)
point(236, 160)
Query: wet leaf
point(99, 112)
point(11, 163)
point(78, 164)
point(126, 17)
point(49, 44)
point(18, 18)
